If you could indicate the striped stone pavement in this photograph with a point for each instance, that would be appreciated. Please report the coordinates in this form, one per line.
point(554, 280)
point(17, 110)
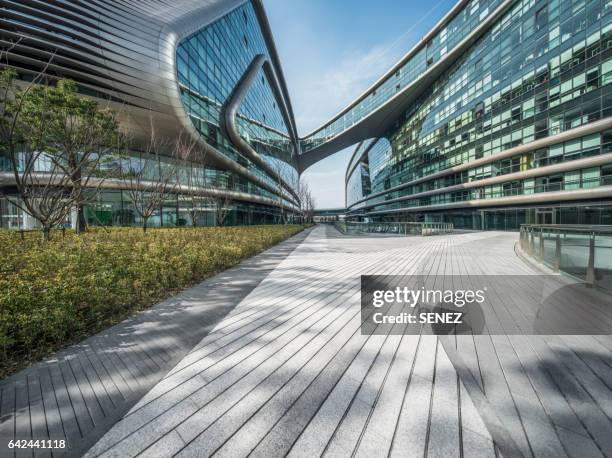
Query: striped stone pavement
point(287, 371)
point(77, 394)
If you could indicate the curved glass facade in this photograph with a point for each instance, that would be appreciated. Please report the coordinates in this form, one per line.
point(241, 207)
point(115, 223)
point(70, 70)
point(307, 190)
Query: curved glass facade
point(368, 161)
point(542, 72)
point(210, 65)
point(219, 43)
point(358, 185)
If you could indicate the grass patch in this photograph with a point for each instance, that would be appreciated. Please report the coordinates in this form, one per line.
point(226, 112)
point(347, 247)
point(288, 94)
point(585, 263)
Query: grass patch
point(59, 292)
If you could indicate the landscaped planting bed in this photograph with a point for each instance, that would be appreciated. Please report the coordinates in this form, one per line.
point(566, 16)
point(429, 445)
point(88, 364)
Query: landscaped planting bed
point(58, 292)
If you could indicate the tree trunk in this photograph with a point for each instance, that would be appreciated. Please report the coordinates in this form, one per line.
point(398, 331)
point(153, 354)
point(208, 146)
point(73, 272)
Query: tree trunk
point(81, 223)
point(75, 178)
point(218, 217)
point(144, 225)
point(46, 233)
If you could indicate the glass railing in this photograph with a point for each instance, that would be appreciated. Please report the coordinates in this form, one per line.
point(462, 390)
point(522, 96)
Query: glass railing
point(355, 228)
point(584, 252)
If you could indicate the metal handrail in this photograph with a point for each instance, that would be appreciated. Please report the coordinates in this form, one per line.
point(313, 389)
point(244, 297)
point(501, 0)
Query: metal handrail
point(558, 233)
point(398, 228)
point(585, 228)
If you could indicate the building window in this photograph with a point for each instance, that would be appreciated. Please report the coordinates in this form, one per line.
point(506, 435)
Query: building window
point(540, 18)
point(212, 135)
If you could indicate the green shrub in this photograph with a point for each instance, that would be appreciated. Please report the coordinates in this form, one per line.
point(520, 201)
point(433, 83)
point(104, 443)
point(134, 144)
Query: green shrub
point(58, 292)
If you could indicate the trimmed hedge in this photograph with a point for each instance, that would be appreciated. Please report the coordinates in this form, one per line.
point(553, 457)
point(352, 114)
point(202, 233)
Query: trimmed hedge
point(58, 292)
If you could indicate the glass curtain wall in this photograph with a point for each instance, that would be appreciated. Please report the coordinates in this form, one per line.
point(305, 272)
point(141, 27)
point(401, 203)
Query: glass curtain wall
point(542, 69)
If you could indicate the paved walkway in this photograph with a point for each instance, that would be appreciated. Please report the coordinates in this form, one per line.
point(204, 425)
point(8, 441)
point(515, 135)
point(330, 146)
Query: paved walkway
point(79, 393)
point(288, 372)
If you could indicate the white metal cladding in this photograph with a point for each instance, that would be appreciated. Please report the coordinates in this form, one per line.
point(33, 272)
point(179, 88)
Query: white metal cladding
point(123, 51)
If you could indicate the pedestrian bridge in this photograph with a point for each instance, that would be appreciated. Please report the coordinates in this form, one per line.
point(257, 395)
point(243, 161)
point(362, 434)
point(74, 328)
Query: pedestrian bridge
point(372, 113)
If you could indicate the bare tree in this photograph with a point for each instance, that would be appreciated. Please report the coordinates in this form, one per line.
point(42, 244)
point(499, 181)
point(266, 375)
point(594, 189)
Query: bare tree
point(46, 196)
point(307, 201)
point(309, 206)
point(149, 179)
point(193, 160)
point(279, 177)
point(222, 206)
point(301, 188)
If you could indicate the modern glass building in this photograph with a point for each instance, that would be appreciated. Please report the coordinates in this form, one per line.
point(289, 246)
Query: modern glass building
point(501, 115)
point(208, 70)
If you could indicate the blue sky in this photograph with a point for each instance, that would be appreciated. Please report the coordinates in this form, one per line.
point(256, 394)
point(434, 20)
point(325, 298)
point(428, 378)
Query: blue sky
point(331, 51)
